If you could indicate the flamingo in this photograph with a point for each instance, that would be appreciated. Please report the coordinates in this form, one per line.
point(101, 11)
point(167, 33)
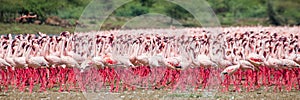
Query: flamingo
point(287, 62)
point(20, 61)
point(97, 61)
point(69, 62)
point(79, 59)
point(203, 60)
point(294, 55)
point(238, 64)
point(35, 61)
point(257, 59)
point(3, 66)
point(26, 56)
point(50, 54)
point(121, 60)
point(3, 62)
point(224, 62)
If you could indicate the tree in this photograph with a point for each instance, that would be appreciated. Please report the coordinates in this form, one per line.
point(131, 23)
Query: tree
point(273, 17)
point(133, 8)
point(177, 12)
point(147, 3)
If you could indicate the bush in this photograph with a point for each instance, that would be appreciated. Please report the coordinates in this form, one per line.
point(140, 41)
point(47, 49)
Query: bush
point(132, 9)
point(70, 13)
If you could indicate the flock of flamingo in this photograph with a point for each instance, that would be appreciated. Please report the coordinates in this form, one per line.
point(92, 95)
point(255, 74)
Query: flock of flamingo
point(246, 59)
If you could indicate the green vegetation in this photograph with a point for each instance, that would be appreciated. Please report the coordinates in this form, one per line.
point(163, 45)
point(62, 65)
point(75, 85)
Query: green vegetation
point(11, 9)
point(32, 28)
point(229, 12)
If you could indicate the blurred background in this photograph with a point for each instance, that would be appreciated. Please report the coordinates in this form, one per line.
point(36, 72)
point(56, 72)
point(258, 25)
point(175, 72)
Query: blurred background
point(54, 16)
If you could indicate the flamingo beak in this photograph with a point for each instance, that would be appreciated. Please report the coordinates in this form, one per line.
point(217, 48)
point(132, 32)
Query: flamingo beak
point(224, 73)
point(178, 67)
point(131, 66)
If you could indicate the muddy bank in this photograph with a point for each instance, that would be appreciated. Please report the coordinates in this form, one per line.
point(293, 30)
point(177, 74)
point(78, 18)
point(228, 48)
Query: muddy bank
point(148, 94)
